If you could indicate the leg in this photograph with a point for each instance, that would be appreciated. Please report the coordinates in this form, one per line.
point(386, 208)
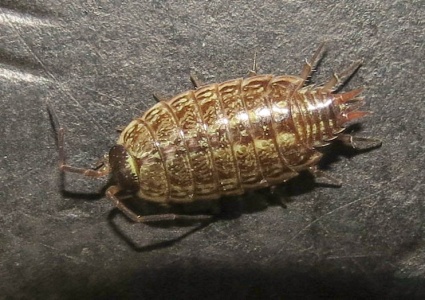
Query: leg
point(281, 197)
point(308, 66)
point(254, 69)
point(325, 177)
point(195, 81)
point(337, 79)
point(159, 97)
point(102, 167)
point(358, 142)
point(111, 194)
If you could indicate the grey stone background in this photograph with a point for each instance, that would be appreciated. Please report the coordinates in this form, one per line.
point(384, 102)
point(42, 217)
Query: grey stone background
point(98, 62)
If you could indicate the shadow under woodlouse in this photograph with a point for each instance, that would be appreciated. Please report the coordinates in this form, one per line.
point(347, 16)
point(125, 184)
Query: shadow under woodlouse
point(156, 245)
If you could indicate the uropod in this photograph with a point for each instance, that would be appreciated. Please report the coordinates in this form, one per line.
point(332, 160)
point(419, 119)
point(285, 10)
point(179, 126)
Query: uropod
point(226, 138)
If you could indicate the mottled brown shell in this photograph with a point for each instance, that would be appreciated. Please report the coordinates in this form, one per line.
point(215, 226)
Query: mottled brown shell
point(225, 138)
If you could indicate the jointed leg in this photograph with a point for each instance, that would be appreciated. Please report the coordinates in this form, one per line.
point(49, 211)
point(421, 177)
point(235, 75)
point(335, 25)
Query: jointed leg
point(159, 97)
point(358, 142)
point(111, 194)
point(324, 177)
point(195, 81)
point(339, 78)
point(308, 66)
point(254, 69)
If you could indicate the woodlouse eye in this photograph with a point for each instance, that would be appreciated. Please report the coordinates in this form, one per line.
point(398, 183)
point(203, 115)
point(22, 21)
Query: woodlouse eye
point(123, 168)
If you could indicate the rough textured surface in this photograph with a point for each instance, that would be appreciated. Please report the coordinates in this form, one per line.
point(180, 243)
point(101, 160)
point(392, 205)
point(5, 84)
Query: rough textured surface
point(98, 63)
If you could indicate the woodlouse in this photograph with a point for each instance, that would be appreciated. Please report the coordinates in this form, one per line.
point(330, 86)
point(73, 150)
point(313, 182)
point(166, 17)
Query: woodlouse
point(226, 138)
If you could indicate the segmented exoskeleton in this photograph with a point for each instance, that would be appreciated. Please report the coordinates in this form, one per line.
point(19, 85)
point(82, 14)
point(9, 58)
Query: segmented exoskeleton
point(226, 138)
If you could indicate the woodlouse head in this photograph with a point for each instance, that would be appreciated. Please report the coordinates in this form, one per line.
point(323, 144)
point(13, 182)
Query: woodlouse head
point(123, 168)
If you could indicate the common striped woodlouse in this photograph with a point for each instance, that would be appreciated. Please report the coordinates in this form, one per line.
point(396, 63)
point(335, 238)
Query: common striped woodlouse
point(223, 139)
